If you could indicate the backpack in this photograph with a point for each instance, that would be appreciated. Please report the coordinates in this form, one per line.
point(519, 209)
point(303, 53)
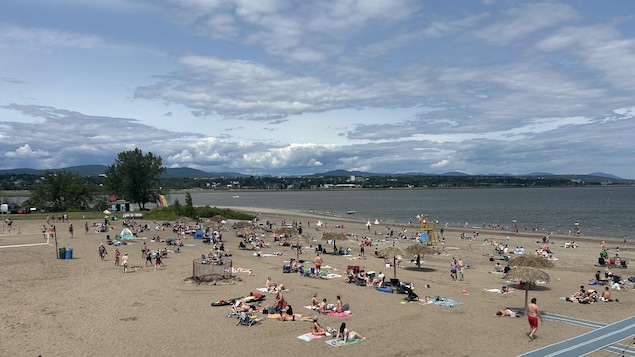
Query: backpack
point(346, 307)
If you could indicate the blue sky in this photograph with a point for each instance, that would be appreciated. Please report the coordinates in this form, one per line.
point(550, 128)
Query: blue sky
point(299, 87)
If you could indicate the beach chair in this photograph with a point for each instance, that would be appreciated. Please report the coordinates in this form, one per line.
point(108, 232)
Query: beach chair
point(233, 311)
point(600, 280)
point(244, 319)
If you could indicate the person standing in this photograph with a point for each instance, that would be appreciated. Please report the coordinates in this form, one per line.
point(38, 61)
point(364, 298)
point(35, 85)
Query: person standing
point(318, 264)
point(117, 256)
point(453, 267)
point(102, 251)
point(533, 314)
point(70, 230)
point(86, 227)
point(124, 262)
point(157, 261)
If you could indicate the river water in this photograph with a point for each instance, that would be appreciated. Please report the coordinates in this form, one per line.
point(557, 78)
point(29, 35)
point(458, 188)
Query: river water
point(598, 211)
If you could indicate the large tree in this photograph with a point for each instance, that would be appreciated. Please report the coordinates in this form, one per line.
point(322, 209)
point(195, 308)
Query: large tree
point(135, 177)
point(60, 191)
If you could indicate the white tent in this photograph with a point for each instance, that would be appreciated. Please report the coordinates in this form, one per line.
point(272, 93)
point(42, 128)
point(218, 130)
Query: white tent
point(125, 234)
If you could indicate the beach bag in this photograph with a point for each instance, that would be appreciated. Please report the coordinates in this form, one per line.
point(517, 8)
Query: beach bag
point(346, 307)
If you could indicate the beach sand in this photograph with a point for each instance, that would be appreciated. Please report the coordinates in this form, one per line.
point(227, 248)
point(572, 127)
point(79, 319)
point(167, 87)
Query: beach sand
point(86, 307)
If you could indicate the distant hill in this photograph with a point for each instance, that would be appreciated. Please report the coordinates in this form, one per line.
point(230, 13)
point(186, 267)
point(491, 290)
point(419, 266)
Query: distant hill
point(185, 172)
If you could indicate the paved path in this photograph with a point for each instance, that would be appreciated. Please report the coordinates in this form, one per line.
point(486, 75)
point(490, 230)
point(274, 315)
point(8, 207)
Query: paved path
point(589, 342)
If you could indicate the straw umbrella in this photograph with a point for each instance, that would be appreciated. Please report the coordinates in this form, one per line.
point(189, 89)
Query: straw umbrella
point(242, 224)
point(420, 250)
point(392, 252)
point(244, 232)
point(217, 218)
point(531, 260)
point(298, 240)
point(528, 275)
point(334, 236)
point(533, 274)
point(283, 231)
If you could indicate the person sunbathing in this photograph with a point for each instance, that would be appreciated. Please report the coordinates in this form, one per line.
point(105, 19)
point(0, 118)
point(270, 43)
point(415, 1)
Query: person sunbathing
point(284, 316)
point(346, 335)
point(508, 312)
point(316, 328)
point(506, 289)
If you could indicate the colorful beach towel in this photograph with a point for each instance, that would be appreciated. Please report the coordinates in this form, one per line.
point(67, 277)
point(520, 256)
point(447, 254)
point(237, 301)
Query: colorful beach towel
point(339, 342)
point(308, 337)
point(340, 314)
point(445, 302)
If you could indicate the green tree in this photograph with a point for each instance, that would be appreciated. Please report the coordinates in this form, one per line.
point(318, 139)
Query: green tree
point(135, 176)
point(60, 191)
point(188, 210)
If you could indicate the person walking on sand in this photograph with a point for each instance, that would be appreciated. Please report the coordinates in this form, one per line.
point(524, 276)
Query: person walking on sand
point(124, 262)
point(533, 314)
point(157, 261)
point(117, 255)
point(102, 251)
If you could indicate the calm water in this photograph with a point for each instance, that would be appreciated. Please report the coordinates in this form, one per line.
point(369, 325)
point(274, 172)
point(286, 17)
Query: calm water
point(606, 211)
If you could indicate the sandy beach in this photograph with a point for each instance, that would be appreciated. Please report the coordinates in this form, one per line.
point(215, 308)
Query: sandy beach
point(84, 306)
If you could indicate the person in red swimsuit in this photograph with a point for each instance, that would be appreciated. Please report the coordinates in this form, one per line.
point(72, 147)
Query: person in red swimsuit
point(533, 314)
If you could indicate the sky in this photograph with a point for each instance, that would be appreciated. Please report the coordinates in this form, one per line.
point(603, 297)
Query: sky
point(284, 87)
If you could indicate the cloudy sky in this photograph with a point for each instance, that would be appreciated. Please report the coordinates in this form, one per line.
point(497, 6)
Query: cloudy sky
point(288, 87)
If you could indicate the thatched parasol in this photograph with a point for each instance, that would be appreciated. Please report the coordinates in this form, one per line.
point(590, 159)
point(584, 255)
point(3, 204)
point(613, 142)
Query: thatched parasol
point(529, 276)
point(244, 233)
point(298, 240)
point(217, 218)
point(334, 236)
point(391, 252)
point(283, 231)
point(531, 260)
point(242, 224)
point(420, 250)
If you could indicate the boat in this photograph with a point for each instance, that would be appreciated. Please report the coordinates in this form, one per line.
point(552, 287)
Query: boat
point(350, 212)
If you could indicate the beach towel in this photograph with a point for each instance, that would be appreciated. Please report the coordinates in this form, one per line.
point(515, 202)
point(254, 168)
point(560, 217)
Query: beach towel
point(493, 290)
point(266, 255)
point(264, 290)
point(445, 302)
point(308, 337)
point(331, 276)
point(340, 314)
point(273, 316)
point(339, 342)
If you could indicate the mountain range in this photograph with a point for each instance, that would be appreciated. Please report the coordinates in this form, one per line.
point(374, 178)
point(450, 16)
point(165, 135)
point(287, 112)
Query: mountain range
point(185, 172)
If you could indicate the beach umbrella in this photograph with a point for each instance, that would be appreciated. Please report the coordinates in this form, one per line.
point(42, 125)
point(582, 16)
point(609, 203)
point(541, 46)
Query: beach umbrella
point(531, 260)
point(107, 212)
point(242, 224)
point(334, 236)
point(420, 250)
point(299, 241)
point(528, 275)
point(283, 231)
point(391, 252)
point(244, 233)
point(217, 218)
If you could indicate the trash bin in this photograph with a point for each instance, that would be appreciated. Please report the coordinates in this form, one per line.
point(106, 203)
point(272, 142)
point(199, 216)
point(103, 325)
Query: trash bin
point(69, 253)
point(62, 253)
